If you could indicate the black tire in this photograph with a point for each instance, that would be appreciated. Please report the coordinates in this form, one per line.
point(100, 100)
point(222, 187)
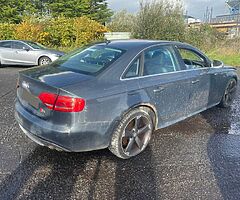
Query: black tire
point(44, 61)
point(127, 140)
point(229, 94)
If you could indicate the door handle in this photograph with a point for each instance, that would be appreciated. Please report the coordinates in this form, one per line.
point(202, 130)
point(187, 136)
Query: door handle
point(159, 89)
point(194, 82)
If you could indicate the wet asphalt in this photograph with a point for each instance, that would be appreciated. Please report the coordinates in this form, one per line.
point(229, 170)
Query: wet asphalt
point(198, 158)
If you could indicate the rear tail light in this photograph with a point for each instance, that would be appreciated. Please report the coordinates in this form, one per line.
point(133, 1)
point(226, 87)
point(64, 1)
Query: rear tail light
point(62, 103)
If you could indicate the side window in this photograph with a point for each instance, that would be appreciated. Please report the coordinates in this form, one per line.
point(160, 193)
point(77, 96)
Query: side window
point(19, 45)
point(160, 60)
point(191, 59)
point(133, 70)
point(7, 44)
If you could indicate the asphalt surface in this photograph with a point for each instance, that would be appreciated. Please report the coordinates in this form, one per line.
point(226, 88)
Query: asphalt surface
point(198, 158)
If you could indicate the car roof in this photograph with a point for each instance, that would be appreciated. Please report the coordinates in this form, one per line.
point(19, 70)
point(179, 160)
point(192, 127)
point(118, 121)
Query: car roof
point(13, 41)
point(137, 44)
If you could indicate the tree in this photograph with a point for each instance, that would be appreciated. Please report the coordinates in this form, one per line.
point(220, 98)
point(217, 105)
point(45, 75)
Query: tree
point(95, 9)
point(99, 11)
point(14, 11)
point(160, 20)
point(122, 22)
point(70, 8)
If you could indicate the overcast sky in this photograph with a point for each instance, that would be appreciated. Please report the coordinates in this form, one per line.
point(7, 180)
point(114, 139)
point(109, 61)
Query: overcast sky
point(196, 8)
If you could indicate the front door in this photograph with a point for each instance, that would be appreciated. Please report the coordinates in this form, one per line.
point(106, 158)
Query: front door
point(23, 54)
point(200, 80)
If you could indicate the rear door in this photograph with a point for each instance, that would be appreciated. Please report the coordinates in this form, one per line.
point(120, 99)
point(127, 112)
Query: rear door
point(23, 54)
point(197, 68)
point(6, 52)
point(165, 84)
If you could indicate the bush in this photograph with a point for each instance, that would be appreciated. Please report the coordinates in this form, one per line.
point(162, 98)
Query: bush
point(59, 32)
point(7, 31)
point(29, 29)
point(204, 37)
point(55, 32)
point(87, 30)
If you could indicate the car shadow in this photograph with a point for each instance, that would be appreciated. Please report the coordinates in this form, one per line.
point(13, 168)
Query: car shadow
point(60, 166)
point(48, 174)
point(135, 178)
point(223, 151)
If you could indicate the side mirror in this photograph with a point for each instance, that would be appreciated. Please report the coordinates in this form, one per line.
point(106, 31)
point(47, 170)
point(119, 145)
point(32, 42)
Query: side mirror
point(217, 63)
point(26, 49)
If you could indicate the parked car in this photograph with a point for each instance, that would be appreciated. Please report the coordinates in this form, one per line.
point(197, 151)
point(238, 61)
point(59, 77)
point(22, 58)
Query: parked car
point(19, 52)
point(116, 94)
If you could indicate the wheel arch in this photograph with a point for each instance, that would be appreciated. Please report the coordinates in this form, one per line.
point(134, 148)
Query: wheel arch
point(154, 113)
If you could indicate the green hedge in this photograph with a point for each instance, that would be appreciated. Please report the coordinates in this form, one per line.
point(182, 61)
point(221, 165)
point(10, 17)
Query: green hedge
point(60, 32)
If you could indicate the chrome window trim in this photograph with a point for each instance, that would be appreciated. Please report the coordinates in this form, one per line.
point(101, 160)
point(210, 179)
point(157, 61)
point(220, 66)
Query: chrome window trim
point(155, 45)
point(175, 72)
point(140, 77)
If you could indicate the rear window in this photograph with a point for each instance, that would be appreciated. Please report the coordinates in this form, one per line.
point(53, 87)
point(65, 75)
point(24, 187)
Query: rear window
point(6, 44)
point(90, 60)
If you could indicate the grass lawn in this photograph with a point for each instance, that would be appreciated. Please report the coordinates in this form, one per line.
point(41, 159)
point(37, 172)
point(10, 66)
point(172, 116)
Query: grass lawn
point(232, 59)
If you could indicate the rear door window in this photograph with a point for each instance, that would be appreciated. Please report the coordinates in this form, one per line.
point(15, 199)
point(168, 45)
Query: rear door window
point(160, 60)
point(7, 44)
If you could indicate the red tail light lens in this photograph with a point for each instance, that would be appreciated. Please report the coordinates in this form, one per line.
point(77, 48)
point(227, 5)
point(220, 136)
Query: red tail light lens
point(48, 99)
point(62, 103)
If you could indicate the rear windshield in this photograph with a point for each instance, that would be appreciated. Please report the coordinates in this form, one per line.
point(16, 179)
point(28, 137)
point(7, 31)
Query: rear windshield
point(89, 60)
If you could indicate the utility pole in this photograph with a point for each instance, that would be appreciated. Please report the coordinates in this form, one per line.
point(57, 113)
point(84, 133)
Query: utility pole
point(211, 15)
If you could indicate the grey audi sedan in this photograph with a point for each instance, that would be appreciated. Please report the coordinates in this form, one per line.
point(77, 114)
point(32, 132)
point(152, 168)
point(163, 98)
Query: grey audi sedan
point(19, 52)
point(116, 94)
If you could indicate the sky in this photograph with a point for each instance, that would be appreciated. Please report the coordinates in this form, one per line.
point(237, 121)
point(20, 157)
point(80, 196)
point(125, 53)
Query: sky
point(195, 8)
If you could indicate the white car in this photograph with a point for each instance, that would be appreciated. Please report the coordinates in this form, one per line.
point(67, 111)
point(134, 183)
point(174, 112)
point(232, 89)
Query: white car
point(19, 52)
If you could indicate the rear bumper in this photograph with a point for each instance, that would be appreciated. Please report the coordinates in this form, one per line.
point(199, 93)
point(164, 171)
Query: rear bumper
point(43, 142)
point(85, 137)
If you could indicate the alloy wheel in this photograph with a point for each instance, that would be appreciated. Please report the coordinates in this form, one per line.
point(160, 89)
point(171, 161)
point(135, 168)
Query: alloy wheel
point(230, 92)
point(136, 135)
point(45, 61)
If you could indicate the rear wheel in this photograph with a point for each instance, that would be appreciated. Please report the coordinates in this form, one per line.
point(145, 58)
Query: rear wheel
point(132, 134)
point(44, 61)
point(229, 94)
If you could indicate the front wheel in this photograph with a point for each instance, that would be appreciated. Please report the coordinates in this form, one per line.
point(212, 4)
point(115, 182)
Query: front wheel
point(44, 61)
point(132, 134)
point(229, 94)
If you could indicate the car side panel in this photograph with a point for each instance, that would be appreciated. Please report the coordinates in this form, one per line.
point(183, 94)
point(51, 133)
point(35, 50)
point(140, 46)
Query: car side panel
point(170, 95)
point(6, 56)
point(219, 79)
point(200, 87)
point(23, 57)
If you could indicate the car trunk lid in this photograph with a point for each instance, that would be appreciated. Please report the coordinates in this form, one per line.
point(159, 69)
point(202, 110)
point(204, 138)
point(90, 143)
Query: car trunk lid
point(34, 81)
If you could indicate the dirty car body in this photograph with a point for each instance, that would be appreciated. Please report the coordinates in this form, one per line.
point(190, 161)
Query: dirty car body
point(174, 80)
